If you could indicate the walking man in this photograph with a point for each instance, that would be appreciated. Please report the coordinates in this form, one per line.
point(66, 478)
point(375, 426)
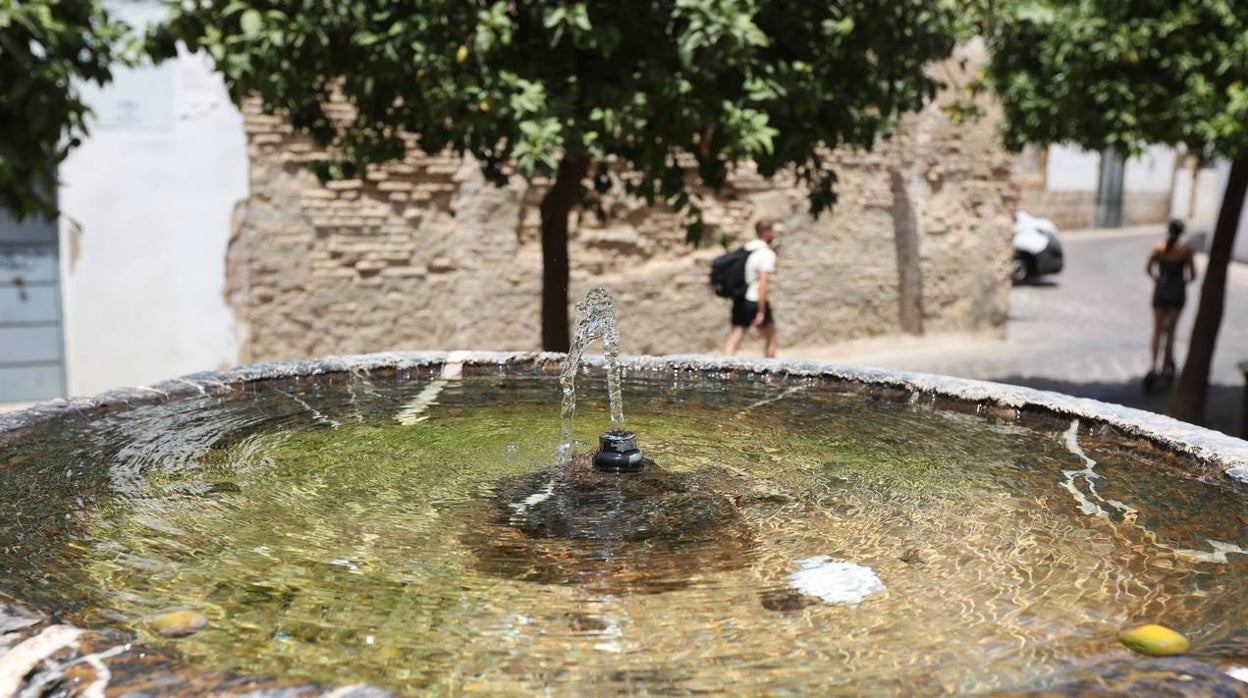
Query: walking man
point(754, 308)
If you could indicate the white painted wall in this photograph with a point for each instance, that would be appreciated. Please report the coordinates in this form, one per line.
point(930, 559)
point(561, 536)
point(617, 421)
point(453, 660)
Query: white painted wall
point(1182, 197)
point(1206, 204)
point(1196, 196)
point(1210, 182)
point(147, 203)
point(1152, 171)
point(1072, 169)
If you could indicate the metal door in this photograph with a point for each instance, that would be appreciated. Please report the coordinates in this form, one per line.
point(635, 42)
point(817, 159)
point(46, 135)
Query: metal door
point(1109, 193)
point(32, 358)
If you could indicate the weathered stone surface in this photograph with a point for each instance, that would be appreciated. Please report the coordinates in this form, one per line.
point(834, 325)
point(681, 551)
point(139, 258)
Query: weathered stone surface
point(1210, 451)
point(39, 657)
point(431, 256)
point(1159, 678)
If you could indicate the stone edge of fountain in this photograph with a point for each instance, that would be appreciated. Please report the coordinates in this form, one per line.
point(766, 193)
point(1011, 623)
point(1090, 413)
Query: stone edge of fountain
point(1222, 451)
point(31, 638)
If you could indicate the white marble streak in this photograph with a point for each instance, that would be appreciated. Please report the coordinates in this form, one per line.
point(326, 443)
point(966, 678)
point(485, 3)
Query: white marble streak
point(19, 661)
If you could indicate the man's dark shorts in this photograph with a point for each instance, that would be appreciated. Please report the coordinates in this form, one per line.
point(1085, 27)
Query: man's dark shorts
point(743, 313)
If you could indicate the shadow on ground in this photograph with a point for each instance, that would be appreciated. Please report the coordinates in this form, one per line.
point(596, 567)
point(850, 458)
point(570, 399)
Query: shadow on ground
point(1037, 282)
point(1223, 409)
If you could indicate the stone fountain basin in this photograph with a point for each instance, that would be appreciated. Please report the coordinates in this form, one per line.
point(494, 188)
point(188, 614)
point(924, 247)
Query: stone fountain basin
point(37, 649)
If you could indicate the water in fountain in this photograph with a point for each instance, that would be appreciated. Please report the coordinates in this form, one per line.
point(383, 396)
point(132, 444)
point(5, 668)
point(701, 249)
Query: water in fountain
point(325, 538)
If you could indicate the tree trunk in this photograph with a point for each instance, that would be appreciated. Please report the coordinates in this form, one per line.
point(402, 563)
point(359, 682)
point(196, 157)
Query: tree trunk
point(909, 258)
point(1193, 388)
point(556, 206)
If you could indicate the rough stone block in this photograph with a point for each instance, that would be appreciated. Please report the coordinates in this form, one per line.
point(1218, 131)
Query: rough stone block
point(344, 184)
point(389, 185)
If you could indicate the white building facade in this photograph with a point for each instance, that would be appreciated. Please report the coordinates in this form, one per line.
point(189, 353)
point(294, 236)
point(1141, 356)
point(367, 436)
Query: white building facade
point(1084, 189)
point(134, 270)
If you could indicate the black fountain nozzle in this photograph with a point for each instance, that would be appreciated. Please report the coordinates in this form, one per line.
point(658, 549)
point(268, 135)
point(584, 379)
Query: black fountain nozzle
point(618, 453)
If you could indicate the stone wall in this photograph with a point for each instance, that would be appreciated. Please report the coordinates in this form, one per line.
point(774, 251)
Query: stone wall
point(1144, 207)
point(424, 254)
point(1068, 209)
point(1072, 210)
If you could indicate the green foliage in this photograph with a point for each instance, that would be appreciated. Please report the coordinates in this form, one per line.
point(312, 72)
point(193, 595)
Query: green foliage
point(46, 48)
point(654, 86)
point(1123, 74)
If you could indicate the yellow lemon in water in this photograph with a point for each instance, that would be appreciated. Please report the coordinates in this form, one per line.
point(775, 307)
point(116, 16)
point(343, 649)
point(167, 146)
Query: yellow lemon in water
point(1154, 640)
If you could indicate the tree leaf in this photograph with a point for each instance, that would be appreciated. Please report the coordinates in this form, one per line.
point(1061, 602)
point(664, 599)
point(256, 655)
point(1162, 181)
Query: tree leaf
point(251, 22)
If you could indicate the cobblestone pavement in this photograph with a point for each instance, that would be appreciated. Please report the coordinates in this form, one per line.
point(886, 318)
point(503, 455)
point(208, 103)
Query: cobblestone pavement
point(1083, 332)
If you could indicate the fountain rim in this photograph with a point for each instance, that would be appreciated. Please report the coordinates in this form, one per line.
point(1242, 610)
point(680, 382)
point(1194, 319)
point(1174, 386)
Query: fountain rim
point(1206, 447)
point(1227, 453)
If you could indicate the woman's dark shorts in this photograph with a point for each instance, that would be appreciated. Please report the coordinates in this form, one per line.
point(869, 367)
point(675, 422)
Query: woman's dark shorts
point(743, 313)
point(1169, 297)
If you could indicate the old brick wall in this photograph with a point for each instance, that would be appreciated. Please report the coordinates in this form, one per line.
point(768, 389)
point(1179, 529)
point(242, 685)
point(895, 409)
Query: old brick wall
point(424, 254)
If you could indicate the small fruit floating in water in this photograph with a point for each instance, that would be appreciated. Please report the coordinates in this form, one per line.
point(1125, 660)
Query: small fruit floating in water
point(1154, 640)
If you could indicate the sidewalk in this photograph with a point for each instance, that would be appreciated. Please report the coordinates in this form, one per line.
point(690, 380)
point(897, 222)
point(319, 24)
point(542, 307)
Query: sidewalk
point(1001, 360)
point(1083, 332)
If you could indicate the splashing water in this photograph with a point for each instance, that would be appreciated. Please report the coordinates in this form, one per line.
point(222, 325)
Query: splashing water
point(595, 320)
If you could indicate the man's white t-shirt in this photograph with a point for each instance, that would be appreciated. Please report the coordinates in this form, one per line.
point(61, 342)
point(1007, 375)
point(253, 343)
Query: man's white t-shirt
point(762, 258)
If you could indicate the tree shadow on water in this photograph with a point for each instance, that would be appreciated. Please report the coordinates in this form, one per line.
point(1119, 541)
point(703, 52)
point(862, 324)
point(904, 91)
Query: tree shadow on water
point(1223, 407)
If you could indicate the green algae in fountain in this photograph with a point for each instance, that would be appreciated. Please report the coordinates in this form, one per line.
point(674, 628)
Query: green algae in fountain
point(400, 522)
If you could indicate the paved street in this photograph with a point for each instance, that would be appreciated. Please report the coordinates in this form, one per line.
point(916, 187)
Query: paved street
point(1083, 332)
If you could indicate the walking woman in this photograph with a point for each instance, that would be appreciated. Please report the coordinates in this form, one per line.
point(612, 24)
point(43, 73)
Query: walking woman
point(1171, 266)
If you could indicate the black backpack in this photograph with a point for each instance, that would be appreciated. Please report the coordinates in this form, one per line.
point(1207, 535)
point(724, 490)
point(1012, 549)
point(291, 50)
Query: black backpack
point(728, 273)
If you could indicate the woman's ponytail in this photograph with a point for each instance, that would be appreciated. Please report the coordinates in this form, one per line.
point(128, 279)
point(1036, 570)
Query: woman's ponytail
point(1173, 231)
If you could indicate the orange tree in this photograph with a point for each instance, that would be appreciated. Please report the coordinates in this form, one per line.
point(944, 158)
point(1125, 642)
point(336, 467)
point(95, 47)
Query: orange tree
point(47, 48)
point(674, 91)
point(1125, 74)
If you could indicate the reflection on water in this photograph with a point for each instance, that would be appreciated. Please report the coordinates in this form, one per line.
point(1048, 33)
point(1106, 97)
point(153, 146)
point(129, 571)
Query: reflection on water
point(419, 538)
